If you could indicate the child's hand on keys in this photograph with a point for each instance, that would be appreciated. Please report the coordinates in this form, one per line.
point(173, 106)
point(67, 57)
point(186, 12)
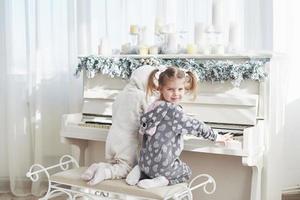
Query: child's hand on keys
point(224, 138)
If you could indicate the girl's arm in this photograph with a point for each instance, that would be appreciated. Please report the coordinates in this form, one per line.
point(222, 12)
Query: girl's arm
point(184, 124)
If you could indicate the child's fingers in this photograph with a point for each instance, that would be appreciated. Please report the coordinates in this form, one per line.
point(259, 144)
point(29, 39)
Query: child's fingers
point(228, 136)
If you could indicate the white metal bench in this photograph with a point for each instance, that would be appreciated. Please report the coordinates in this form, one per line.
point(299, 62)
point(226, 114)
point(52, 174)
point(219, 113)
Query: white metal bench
point(68, 182)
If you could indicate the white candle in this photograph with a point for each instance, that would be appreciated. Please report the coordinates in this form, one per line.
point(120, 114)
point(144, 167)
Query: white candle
point(104, 47)
point(217, 15)
point(199, 33)
point(172, 43)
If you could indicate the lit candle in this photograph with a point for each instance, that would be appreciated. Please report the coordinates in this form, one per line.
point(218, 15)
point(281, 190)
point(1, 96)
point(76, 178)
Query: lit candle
point(134, 29)
point(191, 48)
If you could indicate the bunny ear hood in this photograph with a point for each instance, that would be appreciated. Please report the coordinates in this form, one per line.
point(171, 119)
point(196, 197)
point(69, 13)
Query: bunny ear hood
point(139, 77)
point(150, 120)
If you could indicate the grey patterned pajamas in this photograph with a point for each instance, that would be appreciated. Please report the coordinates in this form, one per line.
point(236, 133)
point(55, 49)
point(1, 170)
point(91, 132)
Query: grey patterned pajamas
point(163, 129)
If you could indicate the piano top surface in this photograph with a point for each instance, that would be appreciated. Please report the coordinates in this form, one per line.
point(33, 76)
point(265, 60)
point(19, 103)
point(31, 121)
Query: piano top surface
point(246, 55)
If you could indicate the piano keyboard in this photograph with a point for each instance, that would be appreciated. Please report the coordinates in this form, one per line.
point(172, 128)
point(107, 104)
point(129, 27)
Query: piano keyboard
point(95, 125)
point(235, 130)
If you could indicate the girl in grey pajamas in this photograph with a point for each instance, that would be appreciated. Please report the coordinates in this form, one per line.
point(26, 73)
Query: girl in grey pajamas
point(163, 127)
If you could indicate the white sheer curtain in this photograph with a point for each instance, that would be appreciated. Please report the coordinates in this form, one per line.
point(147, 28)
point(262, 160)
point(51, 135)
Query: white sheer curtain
point(38, 59)
point(282, 164)
point(112, 19)
point(40, 41)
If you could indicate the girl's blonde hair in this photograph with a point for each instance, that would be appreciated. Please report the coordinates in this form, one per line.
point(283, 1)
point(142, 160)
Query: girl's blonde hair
point(154, 83)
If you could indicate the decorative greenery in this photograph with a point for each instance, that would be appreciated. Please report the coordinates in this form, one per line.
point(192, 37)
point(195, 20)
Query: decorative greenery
point(208, 69)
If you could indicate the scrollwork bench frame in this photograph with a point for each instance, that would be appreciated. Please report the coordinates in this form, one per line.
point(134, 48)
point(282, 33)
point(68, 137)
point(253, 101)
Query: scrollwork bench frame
point(68, 183)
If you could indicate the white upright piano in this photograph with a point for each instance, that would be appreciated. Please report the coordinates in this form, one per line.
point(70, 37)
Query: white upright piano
point(239, 109)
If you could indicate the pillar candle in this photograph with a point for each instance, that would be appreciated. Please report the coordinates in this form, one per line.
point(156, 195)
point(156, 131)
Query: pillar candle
point(172, 43)
point(104, 47)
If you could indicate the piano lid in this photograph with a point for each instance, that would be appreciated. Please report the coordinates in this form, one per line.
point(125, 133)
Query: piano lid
point(208, 107)
point(223, 108)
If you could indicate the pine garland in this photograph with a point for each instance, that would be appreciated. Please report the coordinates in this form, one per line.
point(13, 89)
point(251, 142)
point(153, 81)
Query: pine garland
point(208, 69)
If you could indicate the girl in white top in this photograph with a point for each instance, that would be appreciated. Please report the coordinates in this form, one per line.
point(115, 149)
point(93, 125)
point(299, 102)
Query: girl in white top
point(122, 141)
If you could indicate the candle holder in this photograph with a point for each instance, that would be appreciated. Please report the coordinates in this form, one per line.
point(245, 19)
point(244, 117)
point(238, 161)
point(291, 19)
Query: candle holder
point(215, 40)
point(160, 39)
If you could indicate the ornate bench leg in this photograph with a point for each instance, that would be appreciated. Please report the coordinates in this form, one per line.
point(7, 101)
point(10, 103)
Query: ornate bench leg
point(64, 164)
point(187, 194)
